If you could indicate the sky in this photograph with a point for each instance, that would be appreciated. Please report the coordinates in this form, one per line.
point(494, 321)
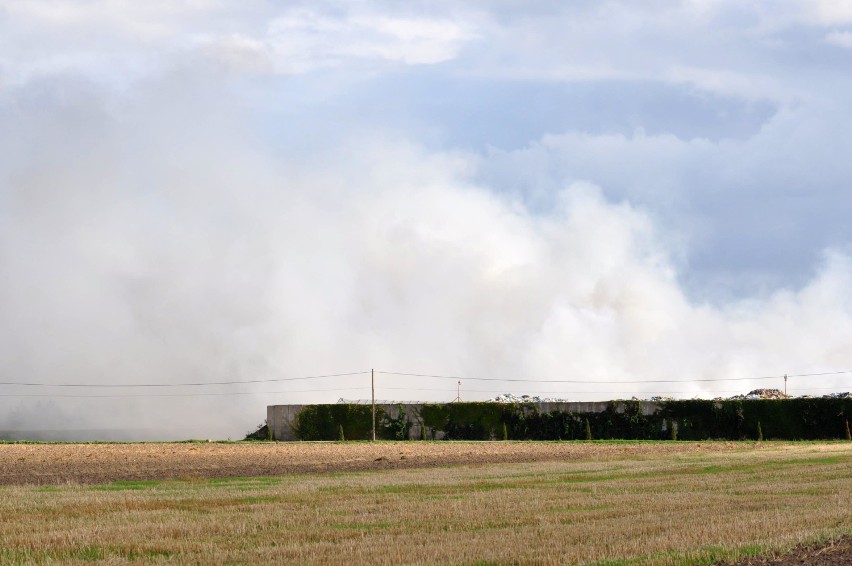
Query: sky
point(256, 192)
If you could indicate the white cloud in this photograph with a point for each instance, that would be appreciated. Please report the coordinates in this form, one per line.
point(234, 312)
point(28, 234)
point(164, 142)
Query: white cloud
point(751, 202)
point(303, 40)
point(840, 38)
point(724, 47)
point(120, 41)
point(750, 85)
point(830, 12)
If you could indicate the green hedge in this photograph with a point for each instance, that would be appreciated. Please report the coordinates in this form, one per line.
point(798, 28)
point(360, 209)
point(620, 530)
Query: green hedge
point(484, 421)
point(323, 422)
point(787, 419)
point(783, 419)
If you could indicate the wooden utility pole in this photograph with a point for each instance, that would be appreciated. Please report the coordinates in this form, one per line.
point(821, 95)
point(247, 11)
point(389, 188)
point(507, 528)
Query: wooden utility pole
point(373, 386)
point(785, 385)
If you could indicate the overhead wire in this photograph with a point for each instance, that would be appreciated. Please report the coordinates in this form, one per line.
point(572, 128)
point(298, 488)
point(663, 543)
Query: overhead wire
point(203, 394)
point(348, 374)
point(196, 384)
point(818, 374)
point(402, 374)
point(605, 382)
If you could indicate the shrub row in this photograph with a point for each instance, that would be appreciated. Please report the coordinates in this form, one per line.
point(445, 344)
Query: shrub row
point(325, 422)
point(787, 419)
point(783, 419)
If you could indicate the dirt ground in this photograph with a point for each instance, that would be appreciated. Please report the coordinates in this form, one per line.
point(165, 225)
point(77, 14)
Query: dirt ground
point(833, 553)
point(97, 463)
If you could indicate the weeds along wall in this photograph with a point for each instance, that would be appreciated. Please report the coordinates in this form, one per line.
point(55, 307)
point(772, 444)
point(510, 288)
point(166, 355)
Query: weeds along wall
point(787, 419)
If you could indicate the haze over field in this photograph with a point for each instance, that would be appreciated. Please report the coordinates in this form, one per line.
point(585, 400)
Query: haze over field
point(601, 191)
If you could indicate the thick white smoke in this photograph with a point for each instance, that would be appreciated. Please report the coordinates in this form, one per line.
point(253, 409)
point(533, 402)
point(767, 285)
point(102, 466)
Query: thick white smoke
point(158, 239)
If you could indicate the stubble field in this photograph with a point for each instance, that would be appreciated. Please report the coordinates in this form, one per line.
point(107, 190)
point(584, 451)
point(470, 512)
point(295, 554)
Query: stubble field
point(96, 463)
point(419, 503)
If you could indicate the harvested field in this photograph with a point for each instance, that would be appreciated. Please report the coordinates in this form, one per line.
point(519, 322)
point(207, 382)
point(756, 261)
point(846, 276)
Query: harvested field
point(96, 463)
point(598, 503)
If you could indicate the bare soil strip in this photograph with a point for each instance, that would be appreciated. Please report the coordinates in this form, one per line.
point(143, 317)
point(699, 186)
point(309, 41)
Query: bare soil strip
point(98, 463)
point(832, 553)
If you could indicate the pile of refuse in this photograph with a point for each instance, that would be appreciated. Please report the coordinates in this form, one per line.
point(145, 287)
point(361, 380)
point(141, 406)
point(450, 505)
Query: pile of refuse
point(762, 394)
point(509, 398)
point(844, 395)
point(754, 394)
point(778, 394)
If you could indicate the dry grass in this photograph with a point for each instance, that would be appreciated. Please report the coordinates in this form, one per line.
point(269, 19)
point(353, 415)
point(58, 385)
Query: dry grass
point(98, 463)
point(647, 506)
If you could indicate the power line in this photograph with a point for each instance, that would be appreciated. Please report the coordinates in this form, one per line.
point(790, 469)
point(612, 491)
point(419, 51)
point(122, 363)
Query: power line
point(349, 374)
point(197, 384)
point(818, 374)
point(149, 395)
point(637, 381)
point(338, 389)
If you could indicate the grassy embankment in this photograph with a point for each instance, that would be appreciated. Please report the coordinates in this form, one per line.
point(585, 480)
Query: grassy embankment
point(652, 509)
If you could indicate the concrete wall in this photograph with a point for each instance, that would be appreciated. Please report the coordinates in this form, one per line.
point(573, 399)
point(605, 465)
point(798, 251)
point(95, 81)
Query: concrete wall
point(281, 418)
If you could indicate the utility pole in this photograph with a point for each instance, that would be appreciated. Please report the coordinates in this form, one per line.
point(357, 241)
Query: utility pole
point(373, 386)
point(785, 385)
point(458, 393)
